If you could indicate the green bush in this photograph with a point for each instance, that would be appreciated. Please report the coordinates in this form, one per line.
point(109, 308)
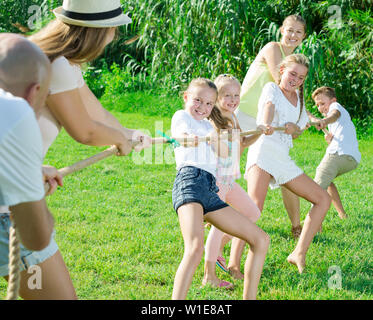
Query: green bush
point(24, 16)
point(183, 39)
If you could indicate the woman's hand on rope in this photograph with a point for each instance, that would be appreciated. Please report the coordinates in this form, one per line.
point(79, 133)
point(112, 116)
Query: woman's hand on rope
point(124, 147)
point(52, 177)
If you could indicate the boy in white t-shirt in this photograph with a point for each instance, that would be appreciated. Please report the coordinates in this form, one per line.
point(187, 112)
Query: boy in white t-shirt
point(342, 154)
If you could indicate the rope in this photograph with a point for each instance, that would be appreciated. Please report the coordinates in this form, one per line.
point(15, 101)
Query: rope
point(14, 259)
point(14, 249)
point(315, 123)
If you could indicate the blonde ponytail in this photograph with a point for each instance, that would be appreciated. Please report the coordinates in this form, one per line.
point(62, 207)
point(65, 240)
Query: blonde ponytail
point(219, 121)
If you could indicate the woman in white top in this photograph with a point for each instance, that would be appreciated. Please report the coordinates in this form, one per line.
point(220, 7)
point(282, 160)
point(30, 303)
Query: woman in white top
point(70, 40)
point(78, 35)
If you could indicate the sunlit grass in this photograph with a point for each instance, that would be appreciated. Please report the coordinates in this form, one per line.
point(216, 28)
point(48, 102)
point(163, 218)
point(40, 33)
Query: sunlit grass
point(120, 237)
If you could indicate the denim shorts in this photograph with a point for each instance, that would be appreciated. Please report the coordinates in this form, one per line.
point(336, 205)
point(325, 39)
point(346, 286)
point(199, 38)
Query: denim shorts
point(196, 185)
point(28, 258)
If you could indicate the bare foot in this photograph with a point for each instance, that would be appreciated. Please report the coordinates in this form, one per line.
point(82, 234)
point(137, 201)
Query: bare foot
point(217, 283)
point(298, 261)
point(342, 215)
point(296, 231)
point(235, 273)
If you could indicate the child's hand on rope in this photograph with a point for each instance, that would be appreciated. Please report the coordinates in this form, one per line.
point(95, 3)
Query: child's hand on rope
point(190, 140)
point(291, 128)
point(328, 137)
point(320, 124)
point(267, 129)
point(140, 140)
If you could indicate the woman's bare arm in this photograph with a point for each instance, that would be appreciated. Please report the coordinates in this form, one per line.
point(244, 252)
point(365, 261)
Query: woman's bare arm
point(70, 111)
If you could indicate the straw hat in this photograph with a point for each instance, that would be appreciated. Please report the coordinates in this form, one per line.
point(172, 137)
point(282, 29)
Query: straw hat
point(92, 13)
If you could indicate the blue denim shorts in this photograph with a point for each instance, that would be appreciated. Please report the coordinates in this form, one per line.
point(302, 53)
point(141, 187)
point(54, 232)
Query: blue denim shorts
point(196, 185)
point(28, 258)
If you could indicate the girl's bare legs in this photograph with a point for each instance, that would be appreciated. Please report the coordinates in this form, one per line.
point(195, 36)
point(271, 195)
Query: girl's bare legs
point(234, 265)
point(306, 188)
point(336, 200)
point(55, 281)
point(224, 241)
point(292, 206)
point(214, 244)
point(239, 200)
point(257, 185)
point(234, 223)
point(191, 225)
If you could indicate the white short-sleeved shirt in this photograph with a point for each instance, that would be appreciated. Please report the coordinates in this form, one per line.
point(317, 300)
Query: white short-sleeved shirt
point(344, 134)
point(271, 153)
point(201, 156)
point(65, 77)
point(21, 153)
point(284, 112)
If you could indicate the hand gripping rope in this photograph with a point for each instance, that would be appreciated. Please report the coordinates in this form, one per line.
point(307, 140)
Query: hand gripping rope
point(14, 249)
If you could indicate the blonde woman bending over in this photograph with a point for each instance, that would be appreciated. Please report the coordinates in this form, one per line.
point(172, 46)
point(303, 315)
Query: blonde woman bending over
point(79, 34)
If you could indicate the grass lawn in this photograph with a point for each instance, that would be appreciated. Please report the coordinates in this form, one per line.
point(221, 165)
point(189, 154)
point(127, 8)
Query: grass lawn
point(120, 237)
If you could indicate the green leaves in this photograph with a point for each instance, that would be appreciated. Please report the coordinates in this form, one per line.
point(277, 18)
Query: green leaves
point(180, 40)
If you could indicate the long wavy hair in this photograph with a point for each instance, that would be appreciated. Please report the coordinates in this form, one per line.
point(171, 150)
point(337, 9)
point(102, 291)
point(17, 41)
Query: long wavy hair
point(77, 44)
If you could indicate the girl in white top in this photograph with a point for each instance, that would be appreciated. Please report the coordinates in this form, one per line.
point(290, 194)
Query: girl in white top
point(70, 40)
point(228, 170)
point(269, 162)
point(194, 193)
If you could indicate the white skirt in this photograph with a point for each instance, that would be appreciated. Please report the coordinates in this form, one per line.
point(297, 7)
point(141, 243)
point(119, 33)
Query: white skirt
point(273, 157)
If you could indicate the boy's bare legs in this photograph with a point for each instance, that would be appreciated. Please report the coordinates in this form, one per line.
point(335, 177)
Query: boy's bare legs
point(336, 200)
point(306, 188)
point(191, 225)
point(55, 281)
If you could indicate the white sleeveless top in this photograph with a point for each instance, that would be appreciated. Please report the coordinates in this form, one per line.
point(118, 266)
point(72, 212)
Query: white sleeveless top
point(65, 77)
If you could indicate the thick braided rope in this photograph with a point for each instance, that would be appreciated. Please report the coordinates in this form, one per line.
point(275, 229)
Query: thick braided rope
point(14, 258)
